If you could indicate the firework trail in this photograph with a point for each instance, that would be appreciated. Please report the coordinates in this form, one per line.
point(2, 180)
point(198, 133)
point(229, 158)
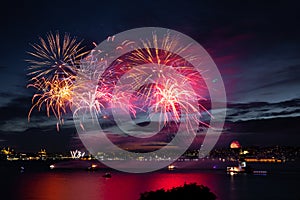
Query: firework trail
point(148, 85)
point(55, 55)
point(144, 80)
point(94, 95)
point(52, 73)
point(54, 94)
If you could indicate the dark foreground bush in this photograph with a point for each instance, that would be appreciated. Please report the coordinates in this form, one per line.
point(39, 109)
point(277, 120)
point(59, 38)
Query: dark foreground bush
point(186, 192)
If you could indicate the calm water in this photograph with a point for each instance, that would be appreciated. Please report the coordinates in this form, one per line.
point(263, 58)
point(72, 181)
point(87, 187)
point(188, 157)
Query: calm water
point(71, 185)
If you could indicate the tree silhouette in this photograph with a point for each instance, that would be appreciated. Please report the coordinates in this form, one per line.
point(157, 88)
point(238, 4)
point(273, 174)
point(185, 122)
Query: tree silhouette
point(187, 192)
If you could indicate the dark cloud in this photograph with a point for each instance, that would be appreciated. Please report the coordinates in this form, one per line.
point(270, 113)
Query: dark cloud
point(273, 131)
point(262, 110)
point(34, 139)
point(16, 108)
point(263, 129)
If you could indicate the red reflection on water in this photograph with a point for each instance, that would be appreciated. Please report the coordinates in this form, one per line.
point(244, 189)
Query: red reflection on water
point(170, 180)
point(92, 186)
point(50, 186)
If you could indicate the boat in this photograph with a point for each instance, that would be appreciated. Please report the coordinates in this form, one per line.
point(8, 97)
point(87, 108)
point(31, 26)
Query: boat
point(244, 168)
point(171, 167)
point(107, 175)
point(241, 168)
point(75, 164)
point(93, 167)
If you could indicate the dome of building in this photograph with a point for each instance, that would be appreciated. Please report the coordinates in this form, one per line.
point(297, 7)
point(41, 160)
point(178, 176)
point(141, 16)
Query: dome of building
point(235, 145)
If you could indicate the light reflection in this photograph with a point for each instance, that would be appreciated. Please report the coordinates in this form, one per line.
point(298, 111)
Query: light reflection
point(92, 185)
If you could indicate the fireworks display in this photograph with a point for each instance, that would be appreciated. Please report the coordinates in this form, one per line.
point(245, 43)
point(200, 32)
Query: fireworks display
point(55, 56)
point(152, 79)
point(55, 94)
point(155, 79)
point(53, 72)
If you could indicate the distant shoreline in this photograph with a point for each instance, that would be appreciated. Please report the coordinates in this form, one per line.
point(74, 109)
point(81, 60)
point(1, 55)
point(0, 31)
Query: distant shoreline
point(214, 165)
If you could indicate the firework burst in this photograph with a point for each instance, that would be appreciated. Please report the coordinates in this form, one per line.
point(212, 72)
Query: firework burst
point(142, 80)
point(55, 55)
point(53, 72)
point(155, 78)
point(55, 94)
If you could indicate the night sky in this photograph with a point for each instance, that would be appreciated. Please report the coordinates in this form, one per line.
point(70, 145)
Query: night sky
point(255, 45)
